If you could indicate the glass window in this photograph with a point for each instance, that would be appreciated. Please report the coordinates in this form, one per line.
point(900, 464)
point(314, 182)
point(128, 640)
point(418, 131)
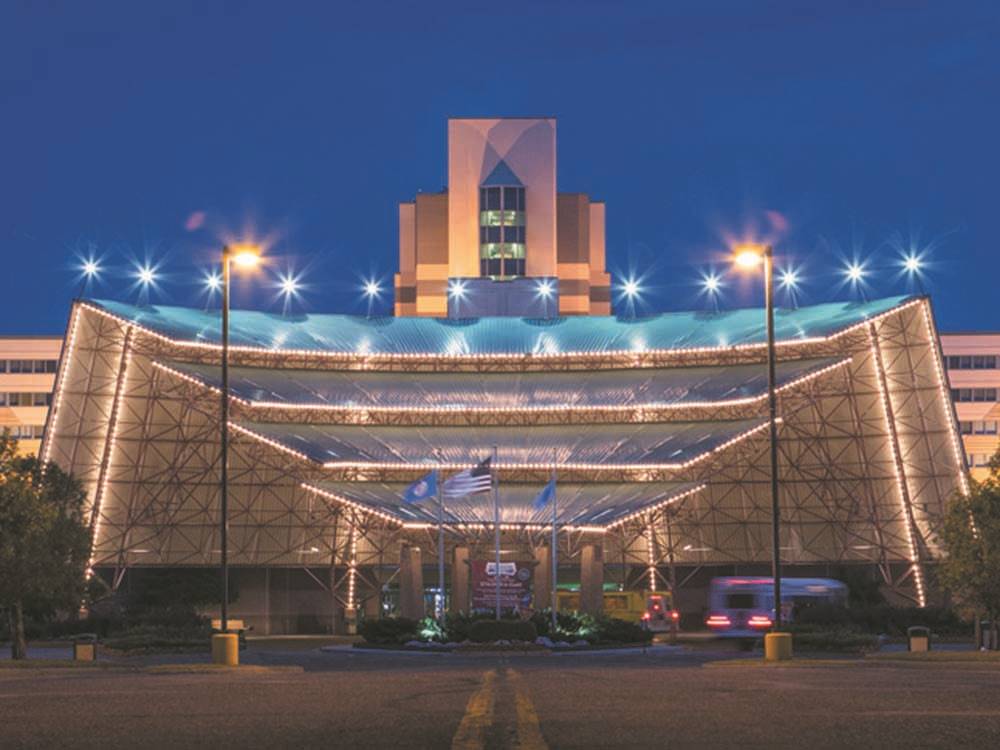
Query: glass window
point(965, 428)
point(740, 601)
point(51, 365)
point(41, 399)
point(492, 199)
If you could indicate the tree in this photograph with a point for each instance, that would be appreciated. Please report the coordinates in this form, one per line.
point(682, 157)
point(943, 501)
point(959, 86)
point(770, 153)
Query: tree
point(44, 540)
point(971, 538)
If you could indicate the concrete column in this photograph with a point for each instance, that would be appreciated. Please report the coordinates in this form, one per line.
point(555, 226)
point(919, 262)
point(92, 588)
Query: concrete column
point(592, 579)
point(373, 606)
point(267, 601)
point(541, 582)
point(411, 583)
point(460, 580)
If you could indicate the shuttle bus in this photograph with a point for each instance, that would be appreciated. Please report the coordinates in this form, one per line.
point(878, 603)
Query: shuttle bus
point(741, 607)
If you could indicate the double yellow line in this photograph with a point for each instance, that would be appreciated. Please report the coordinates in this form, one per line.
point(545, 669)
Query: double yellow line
point(480, 715)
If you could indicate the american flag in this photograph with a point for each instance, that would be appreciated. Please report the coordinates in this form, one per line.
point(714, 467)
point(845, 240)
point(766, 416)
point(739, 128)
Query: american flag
point(470, 482)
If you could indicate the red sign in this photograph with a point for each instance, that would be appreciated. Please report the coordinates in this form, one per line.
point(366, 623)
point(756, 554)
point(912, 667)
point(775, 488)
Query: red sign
point(515, 584)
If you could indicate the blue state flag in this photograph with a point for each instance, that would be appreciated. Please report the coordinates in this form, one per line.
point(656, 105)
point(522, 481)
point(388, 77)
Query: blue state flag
point(422, 489)
point(545, 496)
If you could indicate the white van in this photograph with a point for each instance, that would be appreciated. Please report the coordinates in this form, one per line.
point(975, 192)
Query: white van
point(742, 607)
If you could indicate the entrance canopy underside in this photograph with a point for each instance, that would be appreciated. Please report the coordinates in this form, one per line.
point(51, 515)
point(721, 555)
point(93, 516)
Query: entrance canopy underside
point(638, 445)
point(579, 505)
point(470, 390)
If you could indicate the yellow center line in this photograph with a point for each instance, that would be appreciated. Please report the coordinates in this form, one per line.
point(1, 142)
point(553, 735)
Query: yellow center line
point(529, 731)
point(471, 734)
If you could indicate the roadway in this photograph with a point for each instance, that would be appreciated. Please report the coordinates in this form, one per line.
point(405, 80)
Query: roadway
point(662, 698)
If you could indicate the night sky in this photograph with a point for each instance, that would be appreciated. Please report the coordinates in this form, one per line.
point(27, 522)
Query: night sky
point(842, 131)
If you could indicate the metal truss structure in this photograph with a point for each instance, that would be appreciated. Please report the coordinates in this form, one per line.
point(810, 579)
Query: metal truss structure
point(869, 456)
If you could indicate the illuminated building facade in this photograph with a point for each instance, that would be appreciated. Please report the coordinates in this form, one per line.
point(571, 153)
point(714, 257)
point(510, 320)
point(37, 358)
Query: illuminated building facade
point(501, 239)
point(655, 428)
point(27, 375)
point(973, 362)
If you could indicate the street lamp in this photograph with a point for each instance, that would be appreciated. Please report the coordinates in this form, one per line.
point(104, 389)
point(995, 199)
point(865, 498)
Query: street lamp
point(750, 257)
point(246, 257)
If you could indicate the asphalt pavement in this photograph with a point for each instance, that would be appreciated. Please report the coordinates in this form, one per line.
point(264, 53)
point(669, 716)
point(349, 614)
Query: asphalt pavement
point(661, 697)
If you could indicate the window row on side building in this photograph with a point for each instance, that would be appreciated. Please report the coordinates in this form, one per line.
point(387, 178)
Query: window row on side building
point(972, 360)
point(28, 367)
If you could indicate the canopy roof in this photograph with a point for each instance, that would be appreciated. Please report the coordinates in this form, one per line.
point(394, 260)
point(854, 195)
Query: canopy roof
point(596, 388)
point(348, 334)
point(592, 445)
point(576, 504)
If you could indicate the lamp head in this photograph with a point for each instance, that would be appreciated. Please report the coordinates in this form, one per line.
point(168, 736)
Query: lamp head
point(749, 256)
point(244, 255)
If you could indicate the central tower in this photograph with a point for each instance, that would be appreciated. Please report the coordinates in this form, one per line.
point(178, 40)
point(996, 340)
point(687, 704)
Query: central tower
point(500, 240)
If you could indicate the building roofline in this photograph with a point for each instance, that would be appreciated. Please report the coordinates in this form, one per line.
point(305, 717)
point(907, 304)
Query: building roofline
point(968, 333)
point(27, 336)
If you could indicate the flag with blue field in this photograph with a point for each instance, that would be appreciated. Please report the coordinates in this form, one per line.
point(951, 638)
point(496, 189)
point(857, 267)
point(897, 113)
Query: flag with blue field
point(422, 489)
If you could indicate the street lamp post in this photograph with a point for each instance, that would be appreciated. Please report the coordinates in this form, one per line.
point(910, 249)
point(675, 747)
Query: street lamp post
point(751, 256)
point(246, 256)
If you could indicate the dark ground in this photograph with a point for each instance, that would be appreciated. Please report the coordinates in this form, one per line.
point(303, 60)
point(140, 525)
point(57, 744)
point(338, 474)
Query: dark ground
point(663, 698)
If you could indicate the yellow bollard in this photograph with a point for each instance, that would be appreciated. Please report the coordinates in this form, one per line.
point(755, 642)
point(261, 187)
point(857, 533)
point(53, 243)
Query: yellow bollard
point(226, 649)
point(777, 646)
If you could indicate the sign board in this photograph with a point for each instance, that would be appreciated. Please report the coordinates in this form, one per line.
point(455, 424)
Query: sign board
point(515, 584)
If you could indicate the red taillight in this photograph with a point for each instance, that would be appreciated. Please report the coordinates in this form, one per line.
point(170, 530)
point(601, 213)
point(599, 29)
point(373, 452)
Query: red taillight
point(718, 621)
point(645, 616)
point(759, 621)
point(675, 615)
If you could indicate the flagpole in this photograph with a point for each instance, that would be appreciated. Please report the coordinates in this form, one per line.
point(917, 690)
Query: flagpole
point(440, 499)
point(555, 549)
point(496, 528)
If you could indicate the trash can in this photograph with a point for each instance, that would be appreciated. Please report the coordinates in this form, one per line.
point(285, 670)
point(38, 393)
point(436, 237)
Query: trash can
point(918, 638)
point(985, 636)
point(85, 648)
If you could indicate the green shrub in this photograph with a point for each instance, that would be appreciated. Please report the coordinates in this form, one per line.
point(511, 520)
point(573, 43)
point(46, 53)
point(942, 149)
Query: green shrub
point(487, 631)
point(457, 624)
point(389, 630)
point(613, 630)
point(818, 638)
point(160, 639)
point(881, 618)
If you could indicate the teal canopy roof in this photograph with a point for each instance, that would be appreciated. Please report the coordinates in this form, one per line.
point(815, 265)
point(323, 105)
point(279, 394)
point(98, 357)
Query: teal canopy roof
point(351, 334)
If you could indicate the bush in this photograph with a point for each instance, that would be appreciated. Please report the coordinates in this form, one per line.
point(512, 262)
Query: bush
point(487, 631)
point(160, 639)
point(389, 630)
point(612, 630)
point(457, 624)
point(817, 638)
point(882, 618)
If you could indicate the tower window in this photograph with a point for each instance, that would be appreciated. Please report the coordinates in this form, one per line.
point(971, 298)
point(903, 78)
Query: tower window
point(501, 232)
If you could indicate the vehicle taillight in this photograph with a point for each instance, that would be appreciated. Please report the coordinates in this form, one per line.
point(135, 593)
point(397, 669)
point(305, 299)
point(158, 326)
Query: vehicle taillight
point(759, 621)
point(645, 615)
point(675, 615)
point(718, 621)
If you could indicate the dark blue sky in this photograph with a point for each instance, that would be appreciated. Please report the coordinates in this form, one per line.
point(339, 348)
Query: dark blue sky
point(843, 129)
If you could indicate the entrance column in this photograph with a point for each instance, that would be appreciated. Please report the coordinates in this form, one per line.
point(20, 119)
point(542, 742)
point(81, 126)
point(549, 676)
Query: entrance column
point(460, 580)
point(541, 582)
point(592, 579)
point(411, 583)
